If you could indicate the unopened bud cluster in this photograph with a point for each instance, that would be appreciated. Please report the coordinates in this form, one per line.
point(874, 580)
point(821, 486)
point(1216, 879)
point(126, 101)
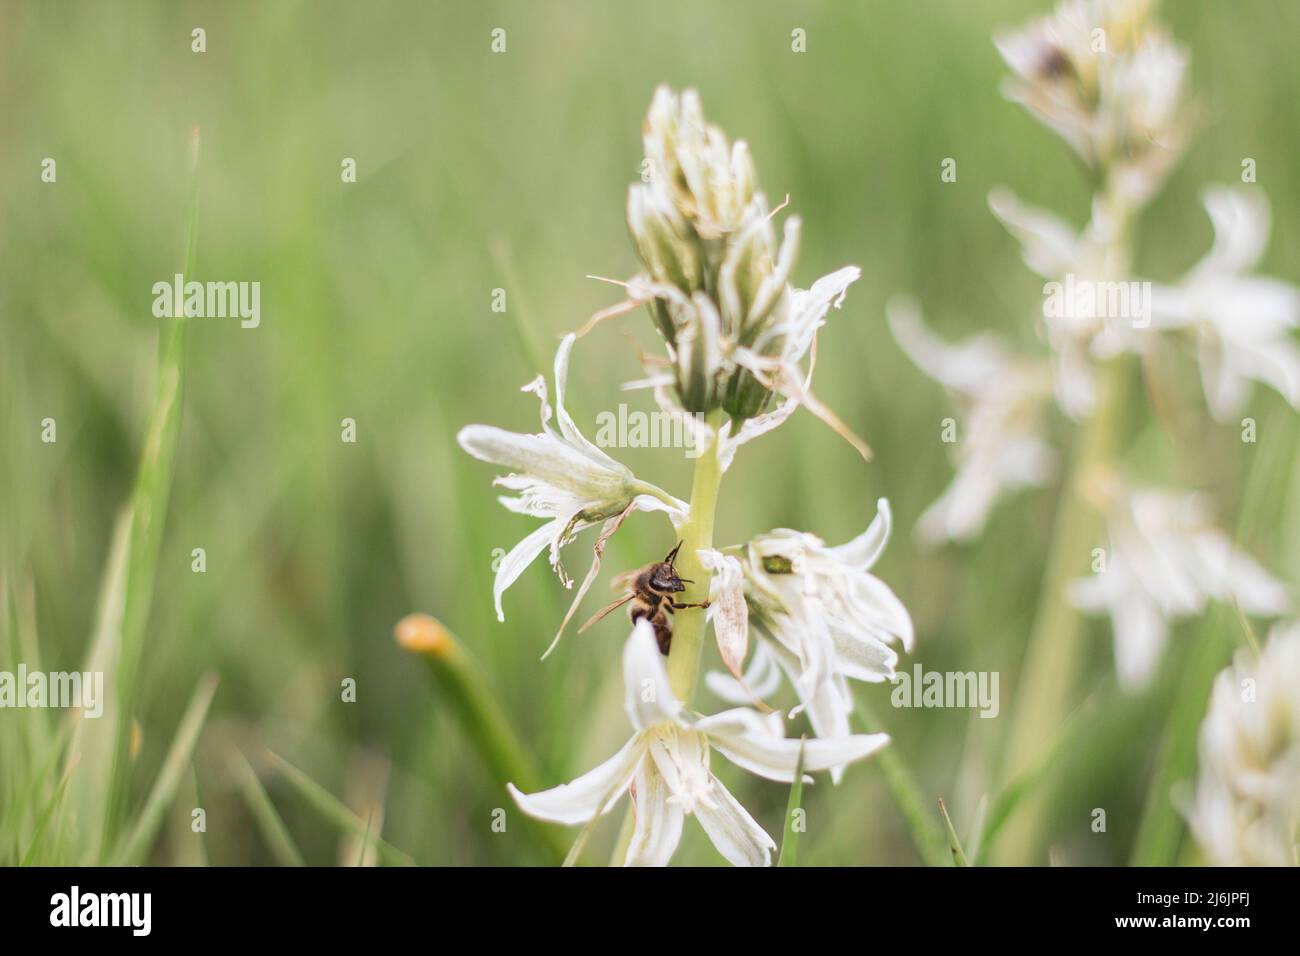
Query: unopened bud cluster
point(719, 276)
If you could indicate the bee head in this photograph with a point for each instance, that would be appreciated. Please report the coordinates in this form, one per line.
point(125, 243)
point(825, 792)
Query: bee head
point(665, 580)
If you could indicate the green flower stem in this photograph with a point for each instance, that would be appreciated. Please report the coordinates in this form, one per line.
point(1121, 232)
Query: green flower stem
point(688, 626)
point(464, 687)
point(1045, 689)
point(696, 533)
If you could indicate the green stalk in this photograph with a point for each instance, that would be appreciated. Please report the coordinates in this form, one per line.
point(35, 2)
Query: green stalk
point(1045, 688)
point(688, 627)
point(696, 534)
point(464, 686)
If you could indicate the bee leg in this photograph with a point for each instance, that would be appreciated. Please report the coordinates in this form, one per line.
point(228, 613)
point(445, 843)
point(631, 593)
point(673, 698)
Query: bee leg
point(679, 607)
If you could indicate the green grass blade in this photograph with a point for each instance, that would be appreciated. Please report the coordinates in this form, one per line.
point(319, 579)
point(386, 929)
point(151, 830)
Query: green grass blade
point(927, 836)
point(42, 821)
point(148, 515)
point(268, 820)
point(954, 844)
point(336, 812)
point(790, 841)
point(142, 834)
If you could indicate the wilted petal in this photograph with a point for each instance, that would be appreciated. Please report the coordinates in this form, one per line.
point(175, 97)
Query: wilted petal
point(598, 552)
point(727, 608)
point(594, 792)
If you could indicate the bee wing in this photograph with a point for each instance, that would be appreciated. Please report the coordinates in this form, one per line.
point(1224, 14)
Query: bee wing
point(607, 609)
point(624, 580)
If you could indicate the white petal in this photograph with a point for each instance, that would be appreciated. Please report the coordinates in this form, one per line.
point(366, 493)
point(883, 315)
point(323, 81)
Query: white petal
point(1241, 227)
point(964, 367)
point(761, 680)
point(864, 550)
point(567, 428)
point(861, 656)
point(520, 556)
point(594, 792)
point(647, 695)
point(962, 510)
point(547, 459)
point(735, 834)
point(828, 711)
point(810, 306)
point(751, 429)
point(1140, 635)
point(747, 740)
point(1050, 246)
point(874, 605)
point(658, 822)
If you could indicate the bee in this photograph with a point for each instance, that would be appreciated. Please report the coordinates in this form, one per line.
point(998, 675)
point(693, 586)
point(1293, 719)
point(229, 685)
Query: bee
point(650, 590)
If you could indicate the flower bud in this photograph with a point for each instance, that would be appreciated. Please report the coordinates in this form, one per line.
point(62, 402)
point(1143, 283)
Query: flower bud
point(667, 246)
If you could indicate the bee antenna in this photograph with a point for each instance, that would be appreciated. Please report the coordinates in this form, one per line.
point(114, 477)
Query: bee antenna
point(672, 555)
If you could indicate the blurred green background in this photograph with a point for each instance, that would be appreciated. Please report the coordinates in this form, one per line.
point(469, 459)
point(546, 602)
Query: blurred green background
point(477, 171)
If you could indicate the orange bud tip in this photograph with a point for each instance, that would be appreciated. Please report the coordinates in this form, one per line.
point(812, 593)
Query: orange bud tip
point(422, 634)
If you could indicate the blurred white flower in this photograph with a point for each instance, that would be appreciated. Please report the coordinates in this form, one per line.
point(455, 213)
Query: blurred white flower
point(823, 618)
point(665, 765)
point(1108, 82)
point(1243, 323)
point(1141, 125)
point(1246, 808)
point(1166, 560)
point(563, 477)
point(1000, 447)
point(1053, 249)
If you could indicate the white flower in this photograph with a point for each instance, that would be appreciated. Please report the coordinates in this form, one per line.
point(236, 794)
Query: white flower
point(563, 477)
point(1165, 561)
point(1243, 323)
point(716, 281)
point(665, 765)
point(1246, 809)
point(1000, 447)
point(823, 619)
point(707, 178)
